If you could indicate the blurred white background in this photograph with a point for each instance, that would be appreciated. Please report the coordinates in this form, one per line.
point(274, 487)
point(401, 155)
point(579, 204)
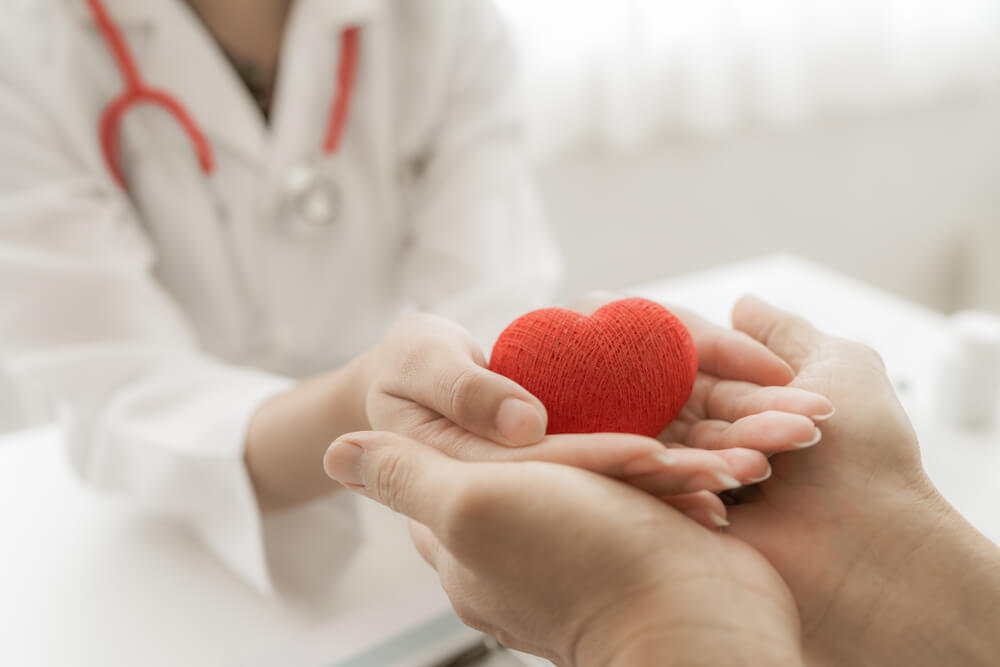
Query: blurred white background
point(671, 135)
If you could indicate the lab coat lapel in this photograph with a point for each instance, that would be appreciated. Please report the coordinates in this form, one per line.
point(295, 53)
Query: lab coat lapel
point(176, 53)
point(307, 79)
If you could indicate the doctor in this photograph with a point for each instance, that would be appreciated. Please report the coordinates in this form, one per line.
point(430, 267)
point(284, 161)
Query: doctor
point(202, 202)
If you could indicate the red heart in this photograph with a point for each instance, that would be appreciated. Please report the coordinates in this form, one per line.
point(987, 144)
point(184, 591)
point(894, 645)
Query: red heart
point(628, 368)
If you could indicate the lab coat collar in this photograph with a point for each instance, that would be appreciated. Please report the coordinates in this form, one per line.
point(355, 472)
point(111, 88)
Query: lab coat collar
point(176, 53)
point(333, 13)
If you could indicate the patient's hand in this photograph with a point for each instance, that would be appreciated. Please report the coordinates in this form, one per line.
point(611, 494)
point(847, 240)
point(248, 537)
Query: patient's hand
point(883, 569)
point(739, 398)
point(739, 402)
point(573, 566)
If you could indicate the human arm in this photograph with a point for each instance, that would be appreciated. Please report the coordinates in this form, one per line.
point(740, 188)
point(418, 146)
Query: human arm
point(883, 569)
point(88, 331)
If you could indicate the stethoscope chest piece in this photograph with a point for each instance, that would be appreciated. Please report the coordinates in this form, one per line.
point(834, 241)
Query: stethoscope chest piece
point(312, 199)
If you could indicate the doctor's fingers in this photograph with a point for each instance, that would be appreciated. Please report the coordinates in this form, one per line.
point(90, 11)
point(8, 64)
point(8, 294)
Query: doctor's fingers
point(730, 400)
point(643, 462)
point(769, 432)
point(440, 369)
point(703, 507)
point(693, 470)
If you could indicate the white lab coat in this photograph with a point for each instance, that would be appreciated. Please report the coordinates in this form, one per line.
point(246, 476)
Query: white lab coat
point(157, 324)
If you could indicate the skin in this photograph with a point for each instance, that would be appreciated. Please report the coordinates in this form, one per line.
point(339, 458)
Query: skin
point(573, 566)
point(563, 563)
point(428, 379)
point(250, 32)
point(883, 569)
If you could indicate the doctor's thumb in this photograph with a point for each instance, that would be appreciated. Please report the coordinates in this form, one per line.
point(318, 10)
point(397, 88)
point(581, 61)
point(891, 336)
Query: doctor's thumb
point(402, 474)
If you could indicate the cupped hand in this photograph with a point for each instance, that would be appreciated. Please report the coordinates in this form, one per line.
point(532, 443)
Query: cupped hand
point(573, 566)
point(829, 518)
point(428, 379)
point(739, 397)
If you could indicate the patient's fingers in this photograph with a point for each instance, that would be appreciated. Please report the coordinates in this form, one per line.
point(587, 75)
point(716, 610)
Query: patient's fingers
point(768, 432)
point(703, 507)
point(788, 335)
point(726, 353)
point(730, 400)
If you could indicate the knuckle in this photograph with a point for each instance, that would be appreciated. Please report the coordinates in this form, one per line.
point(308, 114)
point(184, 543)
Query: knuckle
point(786, 328)
point(413, 354)
point(791, 333)
point(392, 479)
point(461, 393)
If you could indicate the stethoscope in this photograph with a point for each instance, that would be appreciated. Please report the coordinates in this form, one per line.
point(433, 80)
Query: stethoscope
point(309, 188)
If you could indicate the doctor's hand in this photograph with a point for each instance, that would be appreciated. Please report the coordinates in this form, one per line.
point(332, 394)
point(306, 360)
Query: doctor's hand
point(570, 565)
point(428, 379)
point(883, 569)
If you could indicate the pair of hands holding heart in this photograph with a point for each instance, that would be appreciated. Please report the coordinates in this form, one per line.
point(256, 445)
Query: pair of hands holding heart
point(847, 555)
point(436, 387)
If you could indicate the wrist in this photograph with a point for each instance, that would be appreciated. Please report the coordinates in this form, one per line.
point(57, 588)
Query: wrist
point(657, 634)
point(707, 649)
point(927, 593)
point(289, 433)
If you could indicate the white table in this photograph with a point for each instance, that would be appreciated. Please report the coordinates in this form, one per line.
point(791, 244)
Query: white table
point(86, 580)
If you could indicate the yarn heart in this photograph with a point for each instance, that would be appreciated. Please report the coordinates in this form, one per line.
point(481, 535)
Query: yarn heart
point(628, 368)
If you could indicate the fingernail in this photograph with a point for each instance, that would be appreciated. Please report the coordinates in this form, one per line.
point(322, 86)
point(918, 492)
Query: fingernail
point(823, 418)
point(765, 476)
point(343, 462)
point(710, 480)
point(816, 437)
point(650, 463)
point(518, 421)
point(666, 458)
point(719, 521)
point(728, 481)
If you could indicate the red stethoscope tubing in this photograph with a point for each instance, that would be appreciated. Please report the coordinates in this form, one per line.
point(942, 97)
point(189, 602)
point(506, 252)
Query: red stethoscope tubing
point(138, 92)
